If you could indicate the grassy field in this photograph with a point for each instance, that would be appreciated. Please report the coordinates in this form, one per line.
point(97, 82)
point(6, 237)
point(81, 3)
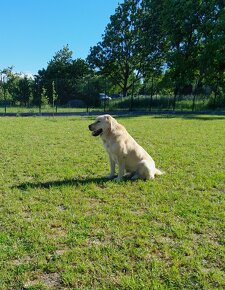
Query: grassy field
point(62, 226)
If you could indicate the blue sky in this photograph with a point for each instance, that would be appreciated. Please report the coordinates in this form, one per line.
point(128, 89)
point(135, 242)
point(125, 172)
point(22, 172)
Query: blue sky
point(33, 30)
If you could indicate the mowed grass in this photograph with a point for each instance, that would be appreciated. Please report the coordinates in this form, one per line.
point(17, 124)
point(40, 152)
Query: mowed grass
point(62, 226)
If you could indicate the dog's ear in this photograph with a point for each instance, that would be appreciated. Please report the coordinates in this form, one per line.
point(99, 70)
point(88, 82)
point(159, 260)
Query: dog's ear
point(111, 120)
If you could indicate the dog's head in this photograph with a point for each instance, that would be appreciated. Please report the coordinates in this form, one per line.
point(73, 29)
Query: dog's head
point(101, 125)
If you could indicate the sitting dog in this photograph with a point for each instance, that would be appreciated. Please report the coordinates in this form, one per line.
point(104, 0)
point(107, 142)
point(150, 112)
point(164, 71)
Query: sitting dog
point(123, 150)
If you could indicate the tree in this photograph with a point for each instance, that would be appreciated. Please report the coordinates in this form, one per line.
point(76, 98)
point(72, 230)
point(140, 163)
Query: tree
point(43, 99)
point(212, 61)
point(24, 91)
point(152, 37)
point(54, 96)
point(9, 82)
point(183, 40)
point(65, 73)
point(58, 71)
point(89, 87)
point(118, 56)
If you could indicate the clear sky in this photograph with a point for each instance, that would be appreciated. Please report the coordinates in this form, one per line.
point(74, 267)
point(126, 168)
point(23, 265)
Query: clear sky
point(31, 31)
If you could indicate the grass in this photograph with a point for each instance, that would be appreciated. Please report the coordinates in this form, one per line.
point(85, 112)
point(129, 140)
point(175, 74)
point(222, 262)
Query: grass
point(47, 109)
point(63, 226)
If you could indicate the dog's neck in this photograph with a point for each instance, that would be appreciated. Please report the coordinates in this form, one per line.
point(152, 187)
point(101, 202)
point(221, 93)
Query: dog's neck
point(112, 133)
point(105, 135)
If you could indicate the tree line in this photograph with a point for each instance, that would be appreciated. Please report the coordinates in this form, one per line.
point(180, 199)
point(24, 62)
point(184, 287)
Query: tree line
point(152, 47)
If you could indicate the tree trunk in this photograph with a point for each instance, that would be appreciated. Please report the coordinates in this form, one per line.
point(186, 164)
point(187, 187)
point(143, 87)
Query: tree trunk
point(132, 97)
point(193, 103)
point(151, 96)
point(124, 92)
point(214, 100)
point(125, 85)
point(174, 102)
point(175, 98)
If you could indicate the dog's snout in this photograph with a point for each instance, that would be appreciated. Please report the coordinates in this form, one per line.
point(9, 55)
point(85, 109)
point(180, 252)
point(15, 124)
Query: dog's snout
point(89, 127)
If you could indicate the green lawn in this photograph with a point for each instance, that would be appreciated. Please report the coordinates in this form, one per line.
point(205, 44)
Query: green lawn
point(62, 226)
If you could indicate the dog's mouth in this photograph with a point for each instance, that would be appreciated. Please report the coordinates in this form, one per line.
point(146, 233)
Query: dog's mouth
point(97, 132)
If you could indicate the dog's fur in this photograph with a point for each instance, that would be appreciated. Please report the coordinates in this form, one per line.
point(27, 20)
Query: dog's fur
point(123, 150)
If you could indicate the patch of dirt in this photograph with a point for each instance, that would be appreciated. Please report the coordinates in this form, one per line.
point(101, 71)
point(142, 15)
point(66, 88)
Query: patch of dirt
point(22, 260)
point(50, 280)
point(57, 231)
point(60, 252)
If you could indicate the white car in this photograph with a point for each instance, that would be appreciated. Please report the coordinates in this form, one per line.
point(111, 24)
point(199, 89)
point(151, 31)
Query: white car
point(104, 97)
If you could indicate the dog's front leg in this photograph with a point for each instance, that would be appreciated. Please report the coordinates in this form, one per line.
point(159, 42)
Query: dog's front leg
point(121, 170)
point(112, 168)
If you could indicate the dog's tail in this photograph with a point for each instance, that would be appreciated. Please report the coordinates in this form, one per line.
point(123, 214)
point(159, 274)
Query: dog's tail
point(159, 172)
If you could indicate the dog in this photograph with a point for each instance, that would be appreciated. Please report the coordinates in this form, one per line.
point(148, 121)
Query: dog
point(123, 150)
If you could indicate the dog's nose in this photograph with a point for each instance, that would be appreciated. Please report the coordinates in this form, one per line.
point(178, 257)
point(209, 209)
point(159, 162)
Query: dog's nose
point(89, 127)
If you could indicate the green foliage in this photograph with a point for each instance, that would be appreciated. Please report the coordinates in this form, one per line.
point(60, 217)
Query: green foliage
point(44, 98)
point(181, 42)
point(182, 39)
point(24, 91)
point(213, 53)
point(9, 81)
point(62, 58)
point(152, 38)
point(66, 74)
point(54, 94)
point(117, 55)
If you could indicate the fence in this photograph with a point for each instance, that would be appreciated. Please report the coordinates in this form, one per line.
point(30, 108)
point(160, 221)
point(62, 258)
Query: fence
point(131, 103)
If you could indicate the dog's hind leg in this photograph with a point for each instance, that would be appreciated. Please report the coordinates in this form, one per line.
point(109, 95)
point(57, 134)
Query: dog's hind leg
point(146, 170)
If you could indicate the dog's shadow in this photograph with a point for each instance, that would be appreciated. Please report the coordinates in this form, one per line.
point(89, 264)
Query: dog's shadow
point(65, 182)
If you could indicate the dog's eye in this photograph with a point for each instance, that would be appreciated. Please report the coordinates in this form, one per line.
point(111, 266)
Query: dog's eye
point(98, 121)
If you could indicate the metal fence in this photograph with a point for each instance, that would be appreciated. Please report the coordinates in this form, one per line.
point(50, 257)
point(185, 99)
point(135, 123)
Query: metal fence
point(137, 103)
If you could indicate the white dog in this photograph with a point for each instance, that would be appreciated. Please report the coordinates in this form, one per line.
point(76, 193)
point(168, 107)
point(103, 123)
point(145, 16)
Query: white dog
point(123, 150)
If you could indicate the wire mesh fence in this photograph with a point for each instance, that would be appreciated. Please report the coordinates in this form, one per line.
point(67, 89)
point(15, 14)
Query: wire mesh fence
point(131, 103)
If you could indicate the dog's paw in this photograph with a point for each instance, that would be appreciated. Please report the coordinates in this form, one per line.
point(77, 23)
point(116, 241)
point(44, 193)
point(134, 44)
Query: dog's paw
point(109, 176)
point(117, 179)
point(135, 177)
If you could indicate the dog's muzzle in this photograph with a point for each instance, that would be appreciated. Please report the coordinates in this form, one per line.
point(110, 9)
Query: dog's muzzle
point(95, 132)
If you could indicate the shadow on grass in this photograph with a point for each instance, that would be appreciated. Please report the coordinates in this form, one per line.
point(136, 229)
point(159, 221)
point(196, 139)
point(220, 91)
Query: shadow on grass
point(64, 182)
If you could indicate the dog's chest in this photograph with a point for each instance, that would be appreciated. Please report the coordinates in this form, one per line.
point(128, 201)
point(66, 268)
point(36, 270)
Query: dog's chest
point(108, 146)
point(113, 150)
